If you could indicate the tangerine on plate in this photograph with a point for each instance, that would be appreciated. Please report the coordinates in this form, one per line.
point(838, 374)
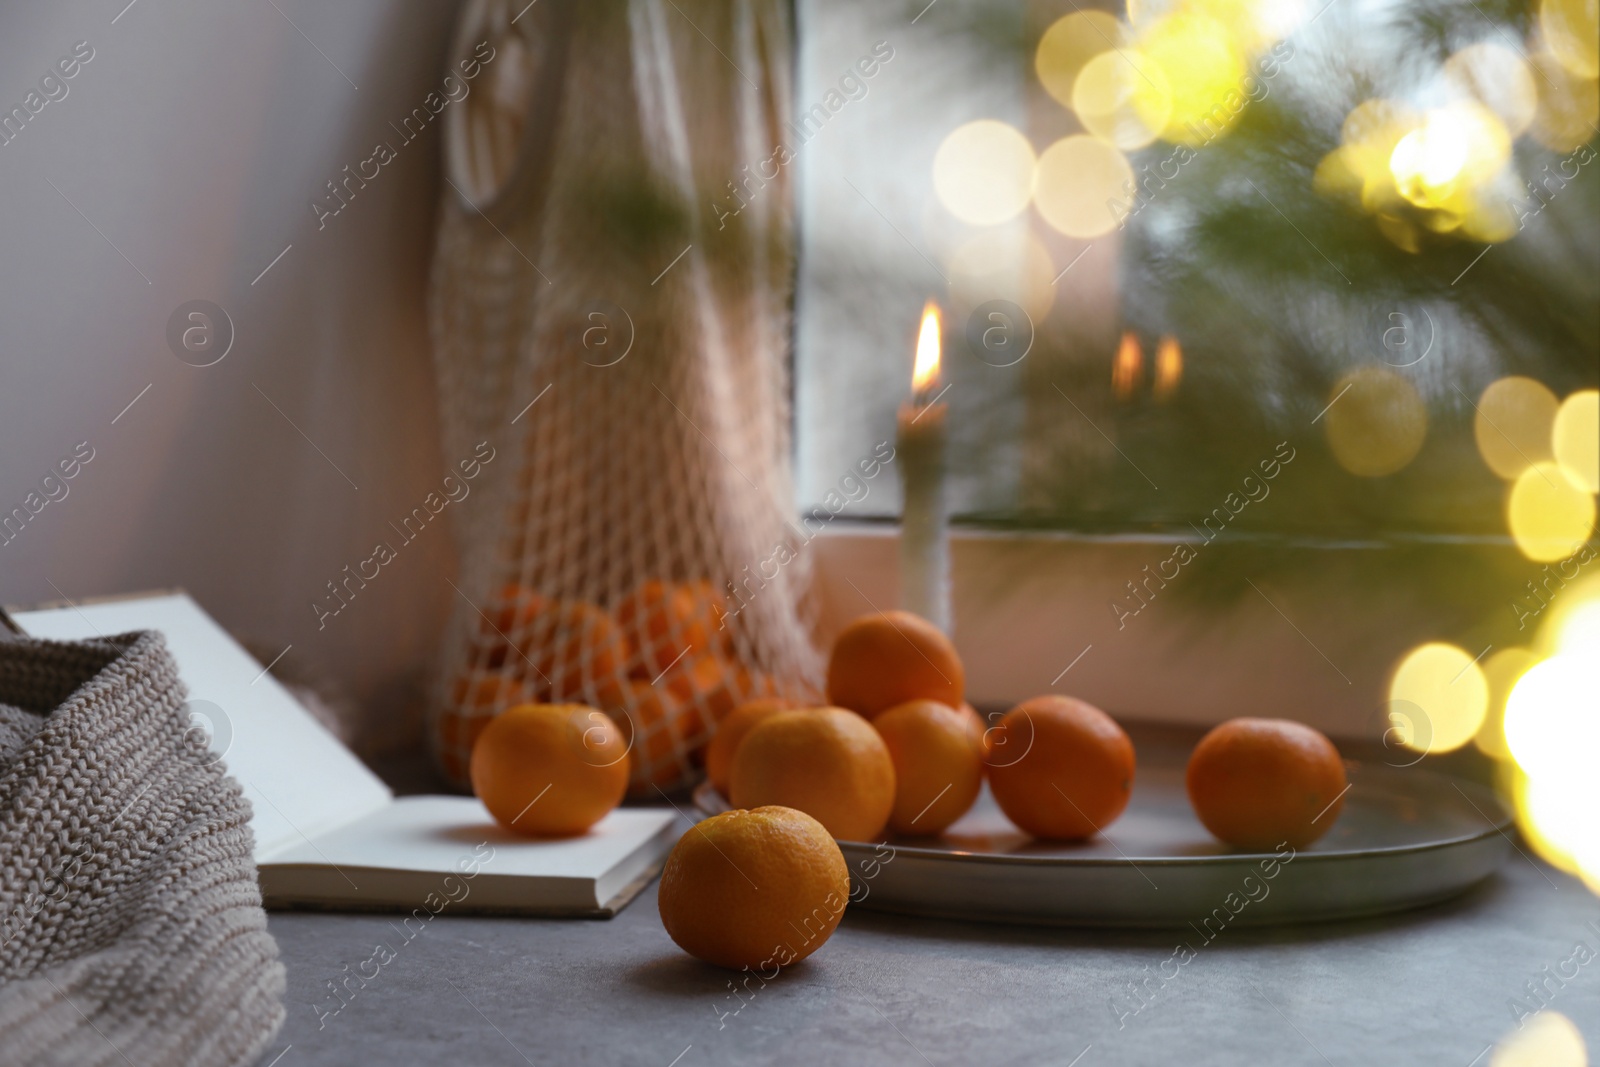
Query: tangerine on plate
point(732, 730)
point(663, 621)
point(1258, 783)
point(754, 889)
point(1060, 768)
point(827, 762)
point(891, 657)
point(550, 770)
point(938, 765)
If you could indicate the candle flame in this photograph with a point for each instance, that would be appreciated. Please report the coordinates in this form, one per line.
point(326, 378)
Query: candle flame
point(1169, 367)
point(925, 372)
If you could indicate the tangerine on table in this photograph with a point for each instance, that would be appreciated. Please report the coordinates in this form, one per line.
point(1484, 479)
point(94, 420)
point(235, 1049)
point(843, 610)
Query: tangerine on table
point(938, 765)
point(550, 770)
point(719, 756)
point(882, 660)
point(754, 889)
point(1260, 783)
point(1060, 768)
point(827, 762)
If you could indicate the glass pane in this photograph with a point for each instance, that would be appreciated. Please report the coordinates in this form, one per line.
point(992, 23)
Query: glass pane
point(1343, 258)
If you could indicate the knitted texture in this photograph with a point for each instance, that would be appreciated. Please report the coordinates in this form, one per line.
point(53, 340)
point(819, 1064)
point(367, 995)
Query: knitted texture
point(130, 916)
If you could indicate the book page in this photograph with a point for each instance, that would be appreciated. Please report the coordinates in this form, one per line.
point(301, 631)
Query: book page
point(301, 780)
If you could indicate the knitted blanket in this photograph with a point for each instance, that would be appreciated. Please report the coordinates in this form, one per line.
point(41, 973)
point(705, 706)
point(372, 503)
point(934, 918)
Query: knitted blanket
point(130, 917)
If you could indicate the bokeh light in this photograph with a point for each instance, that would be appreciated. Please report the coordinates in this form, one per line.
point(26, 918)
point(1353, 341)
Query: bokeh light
point(1569, 106)
point(1440, 164)
point(1451, 690)
point(1169, 367)
point(1004, 263)
point(1549, 514)
point(1575, 438)
point(1377, 422)
point(1071, 42)
point(1571, 30)
point(1359, 170)
point(1204, 72)
point(1499, 79)
point(1501, 670)
point(1549, 1039)
point(1551, 726)
point(983, 172)
point(1512, 424)
point(1085, 186)
point(1123, 97)
point(1127, 367)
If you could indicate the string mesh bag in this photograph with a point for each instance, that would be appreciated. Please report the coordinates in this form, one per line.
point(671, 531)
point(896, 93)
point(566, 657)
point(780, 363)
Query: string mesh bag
point(609, 307)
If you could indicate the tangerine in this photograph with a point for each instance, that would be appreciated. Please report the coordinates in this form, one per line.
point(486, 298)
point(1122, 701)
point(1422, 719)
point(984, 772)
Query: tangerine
point(938, 765)
point(754, 889)
point(1260, 783)
point(882, 660)
point(731, 731)
point(1067, 769)
point(827, 762)
point(550, 770)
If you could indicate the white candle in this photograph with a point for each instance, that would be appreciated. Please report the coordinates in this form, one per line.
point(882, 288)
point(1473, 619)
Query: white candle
point(924, 537)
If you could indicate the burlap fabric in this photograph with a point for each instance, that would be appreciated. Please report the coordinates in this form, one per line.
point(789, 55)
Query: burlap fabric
point(130, 917)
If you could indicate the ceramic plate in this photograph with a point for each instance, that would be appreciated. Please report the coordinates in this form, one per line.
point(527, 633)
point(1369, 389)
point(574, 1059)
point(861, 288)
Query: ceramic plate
point(1405, 837)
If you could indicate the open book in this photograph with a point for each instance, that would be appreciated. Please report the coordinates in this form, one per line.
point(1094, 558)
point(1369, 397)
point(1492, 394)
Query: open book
point(329, 833)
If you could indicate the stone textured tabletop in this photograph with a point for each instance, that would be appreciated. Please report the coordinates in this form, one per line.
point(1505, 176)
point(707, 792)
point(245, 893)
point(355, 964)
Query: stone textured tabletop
point(1435, 986)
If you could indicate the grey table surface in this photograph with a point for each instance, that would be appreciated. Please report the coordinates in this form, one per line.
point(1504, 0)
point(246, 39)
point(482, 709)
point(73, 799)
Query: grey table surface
point(1433, 986)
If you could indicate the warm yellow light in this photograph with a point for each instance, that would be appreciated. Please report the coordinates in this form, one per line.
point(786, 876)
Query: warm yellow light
point(1547, 812)
point(1512, 423)
point(1204, 73)
point(983, 172)
point(1580, 632)
point(1123, 97)
point(1569, 106)
point(1549, 1039)
point(1254, 24)
point(1003, 263)
point(1376, 422)
point(1551, 725)
point(1361, 165)
point(1497, 78)
point(1502, 671)
point(1550, 515)
point(1456, 148)
point(1567, 619)
point(1575, 438)
point(1572, 34)
point(1071, 42)
point(1085, 187)
point(1127, 368)
point(1451, 690)
point(1169, 367)
point(925, 371)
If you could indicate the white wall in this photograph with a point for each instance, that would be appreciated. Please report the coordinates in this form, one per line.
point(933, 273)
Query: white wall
point(194, 140)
